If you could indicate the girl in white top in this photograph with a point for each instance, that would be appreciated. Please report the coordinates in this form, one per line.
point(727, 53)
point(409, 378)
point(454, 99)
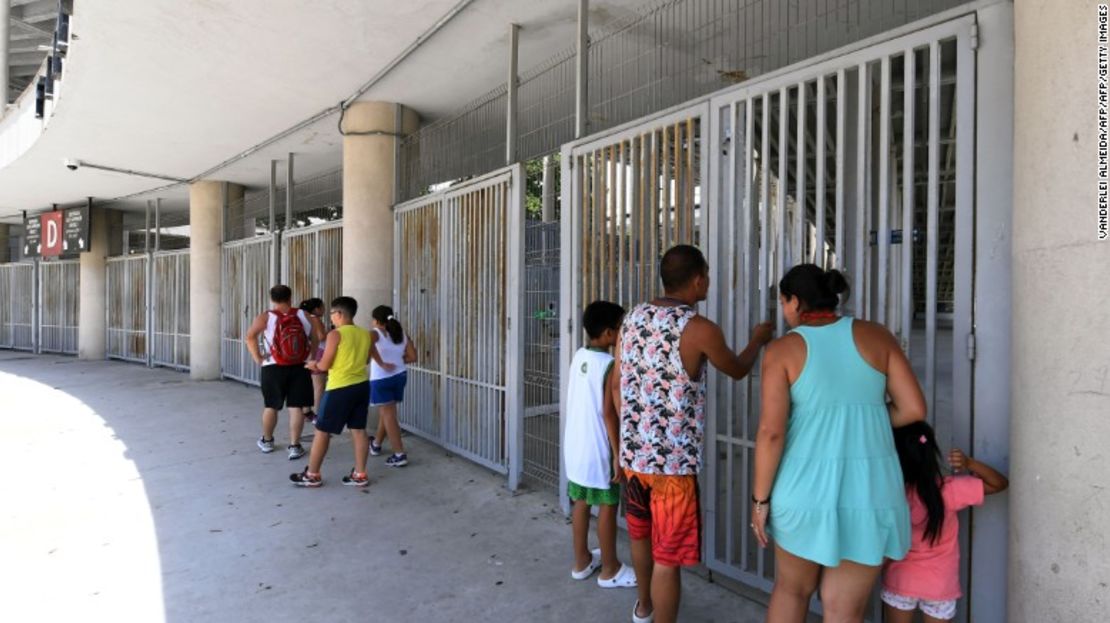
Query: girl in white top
point(388, 380)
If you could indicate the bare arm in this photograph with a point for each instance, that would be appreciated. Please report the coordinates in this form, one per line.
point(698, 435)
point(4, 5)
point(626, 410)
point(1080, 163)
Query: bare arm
point(610, 414)
point(771, 437)
point(374, 355)
point(410, 351)
point(318, 334)
point(712, 345)
point(256, 329)
point(908, 402)
point(993, 480)
point(331, 346)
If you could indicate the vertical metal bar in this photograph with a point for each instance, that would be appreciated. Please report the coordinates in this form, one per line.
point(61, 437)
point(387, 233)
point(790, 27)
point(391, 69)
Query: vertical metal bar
point(863, 236)
point(765, 211)
point(797, 253)
point(884, 191)
point(932, 229)
point(691, 179)
point(909, 88)
point(655, 214)
point(547, 210)
point(783, 187)
point(288, 198)
point(611, 270)
point(819, 256)
point(582, 273)
point(273, 196)
point(964, 241)
point(146, 227)
point(619, 267)
point(581, 70)
point(511, 96)
point(157, 224)
point(841, 138)
point(665, 197)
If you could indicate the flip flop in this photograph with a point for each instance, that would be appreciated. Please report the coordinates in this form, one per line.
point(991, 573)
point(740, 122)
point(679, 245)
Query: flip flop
point(637, 619)
point(624, 578)
point(595, 564)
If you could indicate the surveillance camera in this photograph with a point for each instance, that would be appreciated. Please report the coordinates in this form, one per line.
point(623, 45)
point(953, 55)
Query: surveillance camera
point(72, 163)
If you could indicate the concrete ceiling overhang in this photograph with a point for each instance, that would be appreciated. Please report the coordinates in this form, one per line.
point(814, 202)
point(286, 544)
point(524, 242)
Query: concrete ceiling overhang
point(174, 88)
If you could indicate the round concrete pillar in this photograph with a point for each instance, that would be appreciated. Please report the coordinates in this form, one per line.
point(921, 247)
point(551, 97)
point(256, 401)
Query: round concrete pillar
point(1060, 469)
point(207, 201)
point(92, 320)
point(372, 130)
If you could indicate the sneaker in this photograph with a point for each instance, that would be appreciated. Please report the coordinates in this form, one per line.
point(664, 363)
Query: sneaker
point(304, 479)
point(355, 479)
point(397, 460)
point(296, 451)
point(265, 445)
point(375, 448)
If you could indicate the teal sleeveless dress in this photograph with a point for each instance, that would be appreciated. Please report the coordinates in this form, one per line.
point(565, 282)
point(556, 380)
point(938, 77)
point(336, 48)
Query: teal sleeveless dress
point(838, 494)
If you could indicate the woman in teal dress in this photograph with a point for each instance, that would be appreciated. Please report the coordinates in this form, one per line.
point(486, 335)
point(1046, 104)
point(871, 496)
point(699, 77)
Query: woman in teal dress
point(828, 486)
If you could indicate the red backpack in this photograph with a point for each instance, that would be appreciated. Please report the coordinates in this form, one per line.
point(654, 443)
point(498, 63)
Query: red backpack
point(291, 345)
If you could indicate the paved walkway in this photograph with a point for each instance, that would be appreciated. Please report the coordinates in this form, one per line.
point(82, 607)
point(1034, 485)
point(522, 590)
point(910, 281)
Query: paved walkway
point(137, 495)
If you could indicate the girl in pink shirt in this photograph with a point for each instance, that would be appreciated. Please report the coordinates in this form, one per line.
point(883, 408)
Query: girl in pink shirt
point(929, 576)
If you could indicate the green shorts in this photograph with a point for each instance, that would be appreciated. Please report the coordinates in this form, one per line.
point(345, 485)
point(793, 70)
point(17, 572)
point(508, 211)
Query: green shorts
point(594, 497)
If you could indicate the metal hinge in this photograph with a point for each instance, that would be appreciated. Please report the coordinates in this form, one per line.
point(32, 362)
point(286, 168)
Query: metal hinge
point(971, 347)
point(975, 36)
point(570, 326)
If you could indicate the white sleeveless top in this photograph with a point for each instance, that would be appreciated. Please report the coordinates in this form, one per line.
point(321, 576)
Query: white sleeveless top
point(271, 328)
point(586, 446)
point(390, 353)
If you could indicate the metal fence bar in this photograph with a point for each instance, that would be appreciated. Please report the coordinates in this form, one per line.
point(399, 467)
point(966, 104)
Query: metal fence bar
point(884, 190)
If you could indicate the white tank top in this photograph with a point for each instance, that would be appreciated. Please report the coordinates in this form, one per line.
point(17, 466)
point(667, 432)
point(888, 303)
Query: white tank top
point(390, 353)
point(586, 446)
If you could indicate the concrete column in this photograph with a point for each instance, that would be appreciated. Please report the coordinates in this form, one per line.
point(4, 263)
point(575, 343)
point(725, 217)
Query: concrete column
point(206, 212)
point(371, 131)
point(92, 320)
point(5, 23)
point(5, 238)
point(1059, 563)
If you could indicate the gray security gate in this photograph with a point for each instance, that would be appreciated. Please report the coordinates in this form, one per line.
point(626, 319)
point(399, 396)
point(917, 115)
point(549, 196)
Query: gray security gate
point(126, 298)
point(169, 314)
point(794, 185)
point(632, 193)
point(18, 311)
point(59, 306)
point(247, 267)
point(312, 261)
point(457, 273)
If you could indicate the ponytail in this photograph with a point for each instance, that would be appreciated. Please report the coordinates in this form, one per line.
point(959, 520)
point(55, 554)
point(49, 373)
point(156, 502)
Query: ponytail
point(384, 315)
point(919, 456)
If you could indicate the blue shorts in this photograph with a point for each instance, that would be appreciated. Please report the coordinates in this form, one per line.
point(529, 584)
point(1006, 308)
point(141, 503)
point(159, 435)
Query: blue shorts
point(389, 389)
point(345, 406)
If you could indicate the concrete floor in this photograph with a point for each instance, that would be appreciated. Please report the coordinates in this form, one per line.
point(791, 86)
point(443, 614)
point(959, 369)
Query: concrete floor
point(137, 495)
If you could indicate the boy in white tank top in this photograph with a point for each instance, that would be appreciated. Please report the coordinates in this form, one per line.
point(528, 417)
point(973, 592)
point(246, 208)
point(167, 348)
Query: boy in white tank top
point(590, 448)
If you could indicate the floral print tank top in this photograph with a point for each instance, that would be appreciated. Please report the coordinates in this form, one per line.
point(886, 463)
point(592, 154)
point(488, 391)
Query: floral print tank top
point(662, 408)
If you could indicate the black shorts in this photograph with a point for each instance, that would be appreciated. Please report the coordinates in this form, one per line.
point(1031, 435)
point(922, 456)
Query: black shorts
point(286, 385)
point(346, 406)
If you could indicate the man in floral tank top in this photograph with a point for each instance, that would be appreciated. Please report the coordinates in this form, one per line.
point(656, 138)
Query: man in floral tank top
point(663, 347)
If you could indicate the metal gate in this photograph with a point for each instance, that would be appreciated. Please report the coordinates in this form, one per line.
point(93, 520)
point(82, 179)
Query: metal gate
point(59, 306)
point(541, 353)
point(632, 194)
point(126, 297)
point(17, 306)
point(841, 164)
point(312, 261)
point(247, 267)
point(457, 273)
point(169, 314)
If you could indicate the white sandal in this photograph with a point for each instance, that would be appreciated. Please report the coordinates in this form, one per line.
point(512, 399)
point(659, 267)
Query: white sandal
point(637, 619)
point(624, 578)
point(594, 565)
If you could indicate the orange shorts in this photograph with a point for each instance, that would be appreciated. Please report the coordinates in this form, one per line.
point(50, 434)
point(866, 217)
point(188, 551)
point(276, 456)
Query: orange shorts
point(666, 509)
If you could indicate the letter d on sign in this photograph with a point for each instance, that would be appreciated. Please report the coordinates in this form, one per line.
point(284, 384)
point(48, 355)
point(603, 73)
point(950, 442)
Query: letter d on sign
point(52, 234)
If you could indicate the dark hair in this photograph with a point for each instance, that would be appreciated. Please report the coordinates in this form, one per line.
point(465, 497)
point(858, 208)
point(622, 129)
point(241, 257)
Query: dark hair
point(281, 294)
point(311, 305)
point(601, 315)
point(345, 304)
point(815, 287)
point(384, 315)
point(680, 265)
point(921, 469)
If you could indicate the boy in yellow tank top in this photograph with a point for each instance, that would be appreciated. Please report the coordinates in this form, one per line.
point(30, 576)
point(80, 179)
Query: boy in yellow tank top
point(346, 398)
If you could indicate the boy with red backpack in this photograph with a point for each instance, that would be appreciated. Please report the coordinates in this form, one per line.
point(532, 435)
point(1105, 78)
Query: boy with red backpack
point(289, 336)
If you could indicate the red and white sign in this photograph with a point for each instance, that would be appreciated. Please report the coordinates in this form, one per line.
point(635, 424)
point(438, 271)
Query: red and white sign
point(52, 234)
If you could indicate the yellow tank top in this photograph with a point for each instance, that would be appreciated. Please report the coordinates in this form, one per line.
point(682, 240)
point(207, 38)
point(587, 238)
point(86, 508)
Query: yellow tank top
point(349, 367)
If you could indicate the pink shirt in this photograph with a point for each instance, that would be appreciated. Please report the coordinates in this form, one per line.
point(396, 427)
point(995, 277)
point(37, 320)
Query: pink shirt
point(931, 571)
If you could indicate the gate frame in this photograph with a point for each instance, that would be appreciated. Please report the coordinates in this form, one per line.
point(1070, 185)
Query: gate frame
point(39, 307)
point(514, 312)
point(311, 230)
point(147, 306)
point(9, 274)
point(275, 245)
point(570, 305)
point(153, 288)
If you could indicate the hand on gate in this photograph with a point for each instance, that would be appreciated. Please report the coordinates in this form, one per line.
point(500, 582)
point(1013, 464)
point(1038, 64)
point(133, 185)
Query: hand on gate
point(763, 333)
